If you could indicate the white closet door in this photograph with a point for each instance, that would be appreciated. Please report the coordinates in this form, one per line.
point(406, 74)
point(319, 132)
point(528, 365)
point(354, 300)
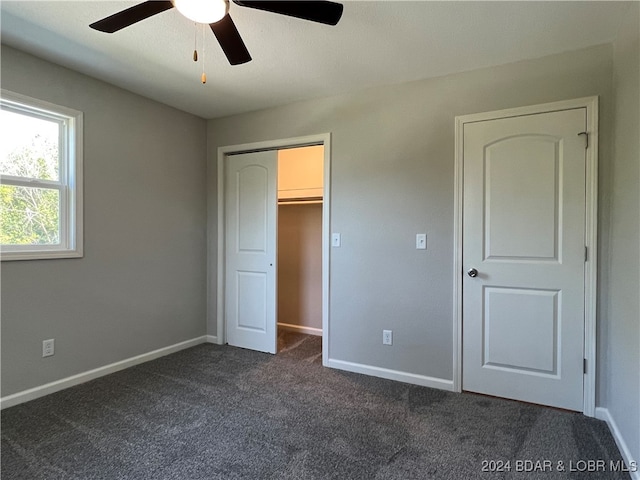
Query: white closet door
point(250, 250)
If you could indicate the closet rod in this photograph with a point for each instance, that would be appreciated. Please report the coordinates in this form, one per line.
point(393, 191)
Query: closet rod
point(298, 200)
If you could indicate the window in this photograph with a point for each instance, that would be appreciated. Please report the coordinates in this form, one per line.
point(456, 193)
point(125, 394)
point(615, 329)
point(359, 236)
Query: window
point(40, 179)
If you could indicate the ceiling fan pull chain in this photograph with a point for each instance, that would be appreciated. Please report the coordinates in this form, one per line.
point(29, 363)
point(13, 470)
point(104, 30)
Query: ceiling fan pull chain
point(195, 42)
point(203, 78)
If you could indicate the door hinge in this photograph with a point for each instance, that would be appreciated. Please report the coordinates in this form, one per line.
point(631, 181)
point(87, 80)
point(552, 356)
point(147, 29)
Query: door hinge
point(586, 138)
point(584, 365)
point(586, 254)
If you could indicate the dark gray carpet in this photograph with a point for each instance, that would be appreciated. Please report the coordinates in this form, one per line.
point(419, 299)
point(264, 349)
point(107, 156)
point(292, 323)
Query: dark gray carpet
point(218, 412)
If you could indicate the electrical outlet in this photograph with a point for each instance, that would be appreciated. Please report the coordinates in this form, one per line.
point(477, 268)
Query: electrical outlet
point(48, 347)
point(387, 337)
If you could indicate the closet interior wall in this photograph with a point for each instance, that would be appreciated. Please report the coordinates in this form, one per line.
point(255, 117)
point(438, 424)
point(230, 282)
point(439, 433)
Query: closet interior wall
point(300, 239)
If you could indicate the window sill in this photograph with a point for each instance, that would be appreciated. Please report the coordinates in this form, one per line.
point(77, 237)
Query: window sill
point(6, 256)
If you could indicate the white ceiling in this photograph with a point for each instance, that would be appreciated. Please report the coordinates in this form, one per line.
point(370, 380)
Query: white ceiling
point(375, 43)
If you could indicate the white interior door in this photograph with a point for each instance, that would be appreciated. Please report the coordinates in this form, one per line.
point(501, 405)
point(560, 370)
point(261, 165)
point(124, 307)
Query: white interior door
point(250, 250)
point(524, 234)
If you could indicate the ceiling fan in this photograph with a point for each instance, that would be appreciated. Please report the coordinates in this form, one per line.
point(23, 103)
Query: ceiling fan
point(216, 14)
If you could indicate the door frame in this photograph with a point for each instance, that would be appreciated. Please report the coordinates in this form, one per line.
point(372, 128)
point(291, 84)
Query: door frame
point(223, 153)
point(591, 234)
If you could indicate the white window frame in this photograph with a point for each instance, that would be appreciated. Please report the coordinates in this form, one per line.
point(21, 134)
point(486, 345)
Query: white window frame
point(69, 183)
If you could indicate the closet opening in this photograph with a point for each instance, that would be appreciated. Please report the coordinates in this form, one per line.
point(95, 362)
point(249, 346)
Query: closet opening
point(299, 282)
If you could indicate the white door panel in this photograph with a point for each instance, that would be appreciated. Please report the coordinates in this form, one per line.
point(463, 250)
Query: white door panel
point(524, 232)
point(252, 302)
point(525, 341)
point(521, 176)
point(250, 250)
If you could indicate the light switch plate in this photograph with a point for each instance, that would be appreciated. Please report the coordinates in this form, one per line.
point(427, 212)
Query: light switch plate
point(336, 240)
point(421, 241)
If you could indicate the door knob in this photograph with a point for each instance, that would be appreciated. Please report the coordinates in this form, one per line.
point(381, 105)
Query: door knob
point(472, 272)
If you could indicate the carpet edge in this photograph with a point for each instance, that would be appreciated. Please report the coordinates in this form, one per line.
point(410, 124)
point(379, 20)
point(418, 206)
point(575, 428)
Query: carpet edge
point(57, 385)
point(397, 375)
point(603, 413)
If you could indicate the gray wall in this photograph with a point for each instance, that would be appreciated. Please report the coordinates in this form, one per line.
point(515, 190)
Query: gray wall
point(141, 283)
point(622, 347)
point(392, 177)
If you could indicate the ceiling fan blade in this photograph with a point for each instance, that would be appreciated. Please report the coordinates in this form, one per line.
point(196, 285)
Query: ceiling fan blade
point(230, 40)
point(131, 15)
point(325, 12)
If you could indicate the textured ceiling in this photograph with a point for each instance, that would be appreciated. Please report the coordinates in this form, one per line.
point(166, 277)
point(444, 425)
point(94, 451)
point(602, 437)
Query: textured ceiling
point(375, 43)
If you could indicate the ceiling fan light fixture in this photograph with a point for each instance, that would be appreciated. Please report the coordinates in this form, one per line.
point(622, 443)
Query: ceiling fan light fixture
point(203, 11)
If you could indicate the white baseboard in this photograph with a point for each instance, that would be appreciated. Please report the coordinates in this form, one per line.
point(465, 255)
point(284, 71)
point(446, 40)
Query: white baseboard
point(300, 329)
point(397, 375)
point(603, 414)
point(213, 339)
point(48, 388)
